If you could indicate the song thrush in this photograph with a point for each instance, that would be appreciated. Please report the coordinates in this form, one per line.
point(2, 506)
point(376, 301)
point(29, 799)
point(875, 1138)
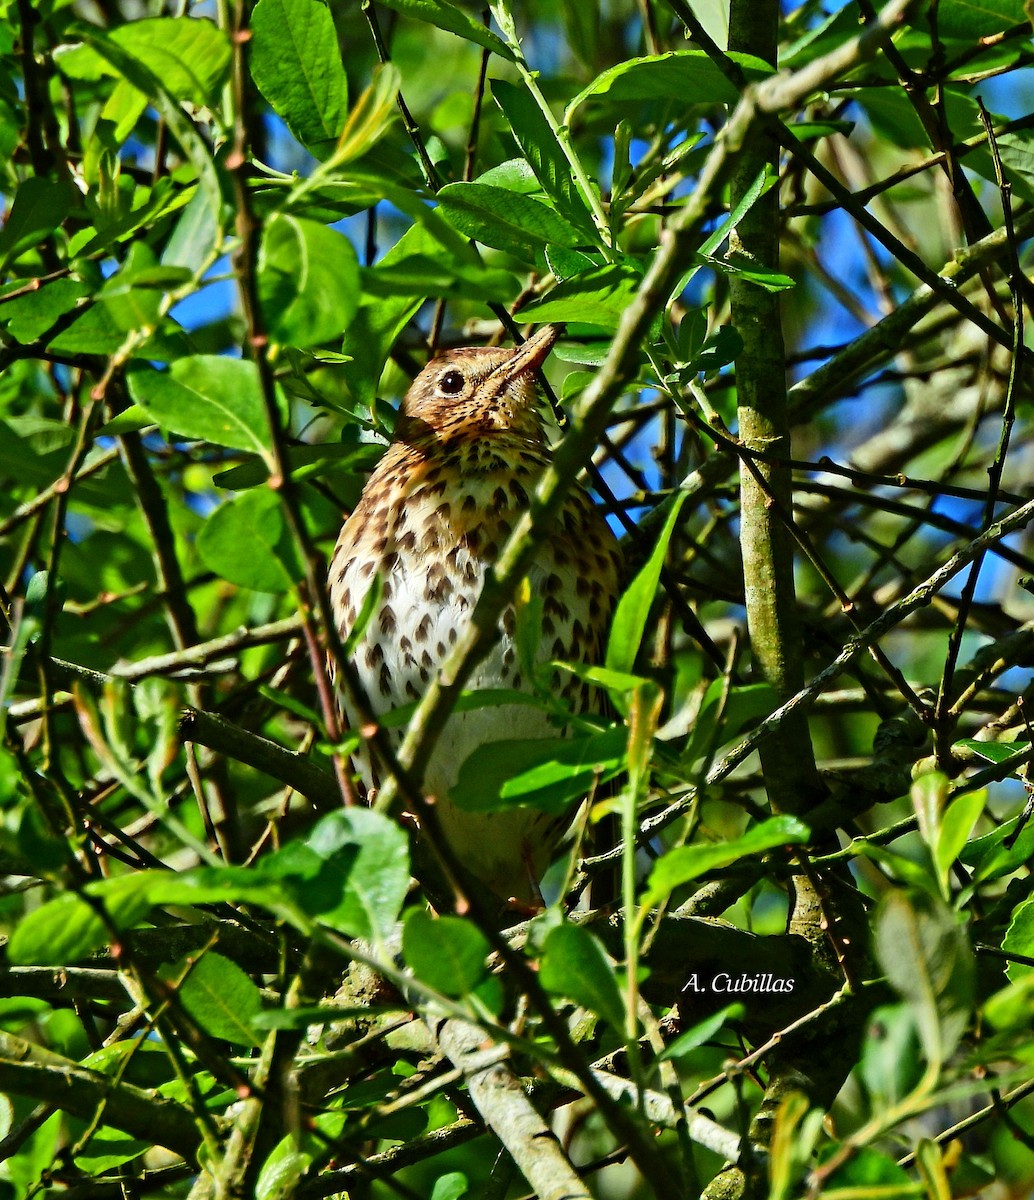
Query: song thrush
point(468, 450)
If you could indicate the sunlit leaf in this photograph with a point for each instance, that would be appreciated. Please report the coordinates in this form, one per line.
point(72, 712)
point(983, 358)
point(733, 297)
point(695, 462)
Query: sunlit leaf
point(296, 64)
point(686, 863)
point(308, 281)
point(207, 397)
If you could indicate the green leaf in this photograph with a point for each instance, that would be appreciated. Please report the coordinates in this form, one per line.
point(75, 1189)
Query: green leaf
point(220, 997)
point(370, 119)
point(616, 682)
point(1010, 1007)
point(207, 398)
point(771, 281)
point(973, 19)
point(452, 1186)
point(1019, 939)
point(452, 20)
point(515, 175)
point(744, 704)
point(380, 319)
point(109, 1148)
point(565, 264)
point(894, 117)
point(702, 1031)
point(446, 953)
point(282, 1170)
point(422, 275)
point(28, 317)
point(189, 55)
point(308, 280)
point(60, 933)
point(889, 1066)
point(574, 964)
point(929, 793)
point(133, 295)
point(956, 825)
point(991, 858)
point(764, 181)
point(546, 773)
point(196, 235)
point(69, 927)
point(213, 885)
point(688, 75)
point(596, 297)
point(296, 64)
point(930, 1167)
point(925, 954)
point(543, 152)
point(718, 350)
point(867, 1172)
point(583, 23)
point(170, 108)
point(995, 752)
point(686, 863)
point(247, 542)
point(367, 895)
point(633, 610)
point(40, 205)
point(917, 875)
point(1016, 151)
point(507, 221)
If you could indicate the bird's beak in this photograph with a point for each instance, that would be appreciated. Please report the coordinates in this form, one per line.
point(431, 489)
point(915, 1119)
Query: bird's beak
point(530, 355)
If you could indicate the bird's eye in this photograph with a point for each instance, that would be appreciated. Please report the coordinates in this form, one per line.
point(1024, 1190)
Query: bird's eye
point(451, 383)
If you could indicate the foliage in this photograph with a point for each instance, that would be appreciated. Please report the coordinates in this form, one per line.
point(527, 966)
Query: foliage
point(228, 245)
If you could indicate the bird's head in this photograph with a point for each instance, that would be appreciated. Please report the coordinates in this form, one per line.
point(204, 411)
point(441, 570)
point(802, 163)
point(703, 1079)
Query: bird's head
point(476, 392)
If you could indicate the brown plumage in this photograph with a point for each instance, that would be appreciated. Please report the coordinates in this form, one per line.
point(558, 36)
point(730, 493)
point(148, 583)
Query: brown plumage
point(469, 448)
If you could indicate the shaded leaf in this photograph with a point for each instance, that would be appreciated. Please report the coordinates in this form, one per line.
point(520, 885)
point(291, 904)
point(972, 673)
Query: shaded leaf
point(367, 896)
point(304, 461)
point(447, 953)
point(63, 931)
point(246, 541)
point(702, 1031)
point(926, 956)
point(282, 1170)
point(574, 964)
point(979, 18)
point(220, 997)
point(452, 1186)
point(40, 205)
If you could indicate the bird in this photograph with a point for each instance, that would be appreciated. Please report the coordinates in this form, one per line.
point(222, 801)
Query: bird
point(468, 449)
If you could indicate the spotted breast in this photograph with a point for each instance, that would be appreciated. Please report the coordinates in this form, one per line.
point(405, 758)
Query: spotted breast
point(468, 451)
